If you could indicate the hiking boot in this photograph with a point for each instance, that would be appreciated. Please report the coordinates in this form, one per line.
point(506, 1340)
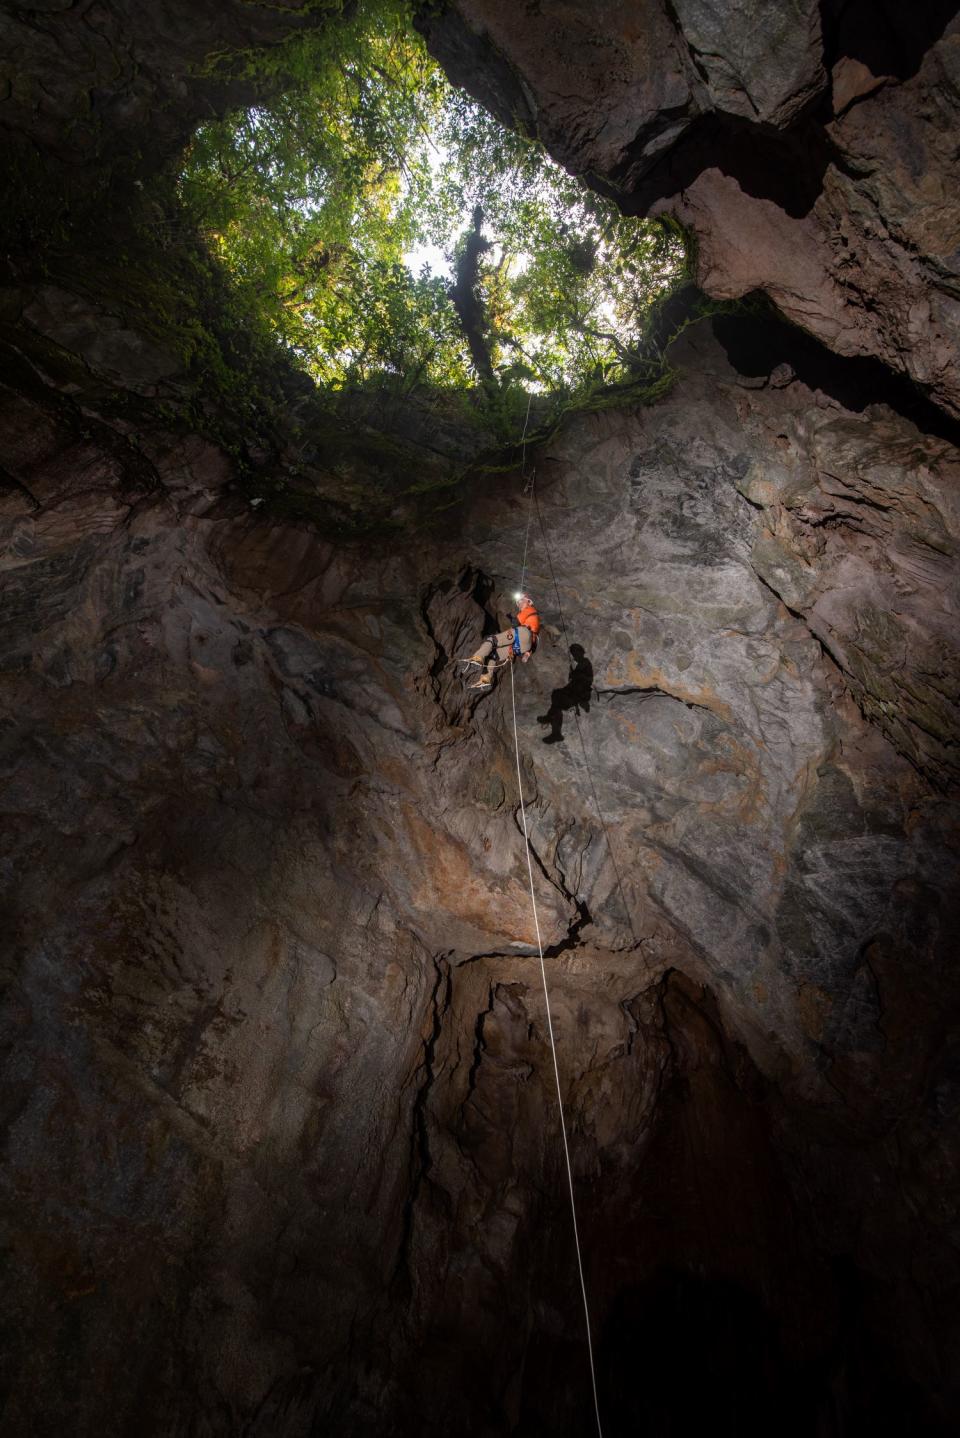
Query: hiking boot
point(475, 659)
point(485, 681)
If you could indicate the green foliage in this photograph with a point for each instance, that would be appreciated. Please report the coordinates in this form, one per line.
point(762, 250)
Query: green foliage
point(320, 202)
point(568, 279)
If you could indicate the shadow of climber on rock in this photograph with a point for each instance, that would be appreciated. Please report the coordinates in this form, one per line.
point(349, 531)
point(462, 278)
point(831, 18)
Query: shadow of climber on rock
point(575, 695)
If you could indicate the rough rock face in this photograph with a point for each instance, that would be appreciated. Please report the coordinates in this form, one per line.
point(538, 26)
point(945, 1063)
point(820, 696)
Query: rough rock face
point(811, 148)
point(97, 95)
point(279, 1096)
point(91, 81)
point(281, 1150)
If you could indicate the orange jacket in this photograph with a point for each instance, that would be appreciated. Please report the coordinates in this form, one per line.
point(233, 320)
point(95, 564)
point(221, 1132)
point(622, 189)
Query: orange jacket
point(529, 617)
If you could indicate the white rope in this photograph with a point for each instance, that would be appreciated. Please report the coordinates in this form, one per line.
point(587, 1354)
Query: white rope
point(526, 542)
point(556, 1070)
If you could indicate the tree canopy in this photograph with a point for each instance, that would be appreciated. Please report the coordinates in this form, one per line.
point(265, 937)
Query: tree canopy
point(383, 224)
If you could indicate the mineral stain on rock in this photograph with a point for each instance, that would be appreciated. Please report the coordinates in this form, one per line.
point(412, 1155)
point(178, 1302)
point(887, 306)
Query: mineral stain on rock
point(281, 1153)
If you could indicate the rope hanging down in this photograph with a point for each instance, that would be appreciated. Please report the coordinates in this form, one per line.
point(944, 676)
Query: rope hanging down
point(526, 538)
point(534, 503)
point(553, 1051)
point(576, 717)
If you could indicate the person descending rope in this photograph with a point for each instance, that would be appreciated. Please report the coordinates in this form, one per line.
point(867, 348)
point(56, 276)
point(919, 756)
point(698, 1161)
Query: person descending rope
point(520, 641)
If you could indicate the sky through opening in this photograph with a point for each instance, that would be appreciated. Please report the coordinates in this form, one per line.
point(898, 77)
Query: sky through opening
point(384, 225)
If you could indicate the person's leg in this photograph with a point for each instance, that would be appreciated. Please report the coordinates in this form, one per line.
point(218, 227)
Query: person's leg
point(554, 717)
point(493, 652)
point(502, 650)
point(487, 656)
point(483, 653)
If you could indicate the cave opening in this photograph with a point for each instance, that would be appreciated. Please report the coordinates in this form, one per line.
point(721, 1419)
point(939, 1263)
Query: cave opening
point(289, 326)
point(391, 232)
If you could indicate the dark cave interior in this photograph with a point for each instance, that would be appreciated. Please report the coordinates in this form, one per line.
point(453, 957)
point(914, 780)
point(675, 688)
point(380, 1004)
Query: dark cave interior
point(281, 1154)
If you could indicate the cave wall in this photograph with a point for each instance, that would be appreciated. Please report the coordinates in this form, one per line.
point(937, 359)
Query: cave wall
point(280, 1101)
point(280, 1147)
point(96, 94)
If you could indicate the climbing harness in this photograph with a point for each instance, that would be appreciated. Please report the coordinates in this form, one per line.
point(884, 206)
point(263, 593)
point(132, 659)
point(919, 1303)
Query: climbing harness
point(543, 974)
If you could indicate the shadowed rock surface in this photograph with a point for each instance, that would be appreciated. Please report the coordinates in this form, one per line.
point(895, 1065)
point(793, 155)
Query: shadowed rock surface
point(281, 1155)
